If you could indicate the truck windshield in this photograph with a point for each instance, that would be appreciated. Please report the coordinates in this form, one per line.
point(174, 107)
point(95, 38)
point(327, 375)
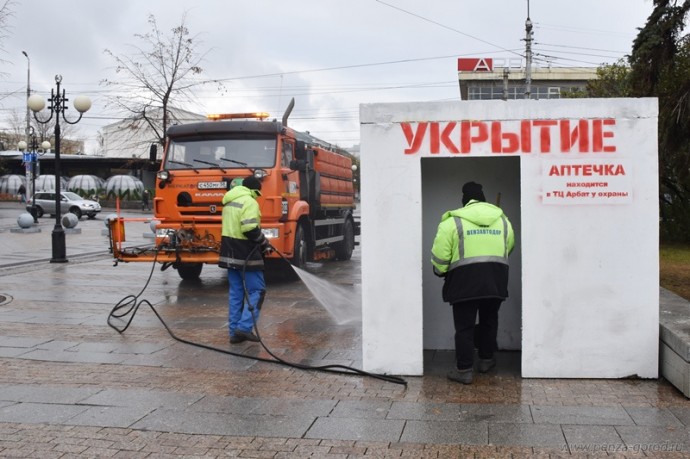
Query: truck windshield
point(221, 154)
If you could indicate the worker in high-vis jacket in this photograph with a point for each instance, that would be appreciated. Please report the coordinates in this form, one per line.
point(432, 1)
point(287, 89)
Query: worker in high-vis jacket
point(242, 249)
point(470, 252)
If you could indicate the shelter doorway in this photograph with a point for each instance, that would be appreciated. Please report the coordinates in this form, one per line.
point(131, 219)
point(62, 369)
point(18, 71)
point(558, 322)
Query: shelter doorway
point(442, 180)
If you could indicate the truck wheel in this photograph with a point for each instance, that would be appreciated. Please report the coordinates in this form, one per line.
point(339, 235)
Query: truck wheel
point(299, 254)
point(189, 271)
point(344, 248)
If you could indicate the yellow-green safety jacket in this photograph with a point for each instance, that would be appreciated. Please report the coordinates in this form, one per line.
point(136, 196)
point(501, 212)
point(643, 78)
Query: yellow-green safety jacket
point(471, 251)
point(241, 233)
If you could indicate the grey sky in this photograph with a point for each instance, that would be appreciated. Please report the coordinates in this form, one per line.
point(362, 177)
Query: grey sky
point(330, 55)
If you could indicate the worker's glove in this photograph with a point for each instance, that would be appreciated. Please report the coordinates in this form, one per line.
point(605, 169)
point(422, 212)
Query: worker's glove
point(265, 246)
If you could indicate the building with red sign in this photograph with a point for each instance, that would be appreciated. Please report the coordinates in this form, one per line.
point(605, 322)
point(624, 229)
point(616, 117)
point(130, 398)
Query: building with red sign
point(503, 79)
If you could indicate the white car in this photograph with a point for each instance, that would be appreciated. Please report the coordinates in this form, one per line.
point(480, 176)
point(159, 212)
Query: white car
point(69, 202)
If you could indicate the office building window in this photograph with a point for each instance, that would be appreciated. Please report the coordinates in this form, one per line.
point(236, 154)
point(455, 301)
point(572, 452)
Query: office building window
point(487, 92)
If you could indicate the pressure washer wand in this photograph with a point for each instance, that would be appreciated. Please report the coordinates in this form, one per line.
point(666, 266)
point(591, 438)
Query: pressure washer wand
point(282, 255)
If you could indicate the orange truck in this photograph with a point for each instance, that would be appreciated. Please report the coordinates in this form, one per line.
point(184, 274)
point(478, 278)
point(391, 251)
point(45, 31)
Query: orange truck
point(307, 201)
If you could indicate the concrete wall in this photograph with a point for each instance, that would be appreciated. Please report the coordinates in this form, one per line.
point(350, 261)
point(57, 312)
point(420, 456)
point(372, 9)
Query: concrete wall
point(587, 254)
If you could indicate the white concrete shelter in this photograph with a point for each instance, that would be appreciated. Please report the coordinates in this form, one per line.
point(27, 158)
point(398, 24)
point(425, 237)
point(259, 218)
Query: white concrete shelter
point(578, 178)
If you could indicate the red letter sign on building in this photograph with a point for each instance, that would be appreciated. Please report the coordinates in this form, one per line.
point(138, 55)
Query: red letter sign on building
point(475, 64)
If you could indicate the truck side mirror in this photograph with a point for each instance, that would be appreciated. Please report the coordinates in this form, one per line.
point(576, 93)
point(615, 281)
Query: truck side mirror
point(298, 165)
point(300, 151)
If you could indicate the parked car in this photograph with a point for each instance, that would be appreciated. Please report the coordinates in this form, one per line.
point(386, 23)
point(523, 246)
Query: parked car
point(69, 202)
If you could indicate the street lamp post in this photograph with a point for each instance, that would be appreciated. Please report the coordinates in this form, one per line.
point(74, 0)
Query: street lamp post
point(33, 165)
point(57, 108)
point(45, 146)
point(30, 189)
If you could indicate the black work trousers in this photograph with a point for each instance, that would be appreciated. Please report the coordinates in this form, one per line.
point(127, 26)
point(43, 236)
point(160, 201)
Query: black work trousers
point(465, 318)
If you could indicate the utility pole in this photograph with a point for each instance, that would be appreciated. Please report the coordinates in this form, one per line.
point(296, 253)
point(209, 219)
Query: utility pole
point(528, 55)
point(506, 75)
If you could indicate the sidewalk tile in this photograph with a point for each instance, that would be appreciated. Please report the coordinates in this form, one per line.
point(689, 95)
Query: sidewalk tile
point(360, 429)
point(471, 433)
point(643, 416)
point(194, 422)
point(586, 439)
point(36, 413)
point(526, 435)
point(581, 415)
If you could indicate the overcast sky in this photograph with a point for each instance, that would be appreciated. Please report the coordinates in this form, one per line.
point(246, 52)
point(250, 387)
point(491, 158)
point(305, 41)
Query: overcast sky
point(329, 55)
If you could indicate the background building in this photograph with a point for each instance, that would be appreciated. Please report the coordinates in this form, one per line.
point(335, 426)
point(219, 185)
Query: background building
point(133, 138)
point(504, 79)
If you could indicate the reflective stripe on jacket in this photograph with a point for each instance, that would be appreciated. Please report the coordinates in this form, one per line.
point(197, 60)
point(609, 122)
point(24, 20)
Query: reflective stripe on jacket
point(471, 251)
point(241, 231)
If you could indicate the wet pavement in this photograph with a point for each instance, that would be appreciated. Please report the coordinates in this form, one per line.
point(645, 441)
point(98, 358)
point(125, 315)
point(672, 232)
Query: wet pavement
point(71, 386)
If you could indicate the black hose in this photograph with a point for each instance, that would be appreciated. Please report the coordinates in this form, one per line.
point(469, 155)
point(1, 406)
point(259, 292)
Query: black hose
point(131, 305)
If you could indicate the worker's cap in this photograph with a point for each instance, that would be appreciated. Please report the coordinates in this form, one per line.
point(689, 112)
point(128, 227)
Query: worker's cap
point(472, 190)
point(252, 183)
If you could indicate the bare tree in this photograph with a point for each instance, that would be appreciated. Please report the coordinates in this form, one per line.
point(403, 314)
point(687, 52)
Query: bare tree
point(46, 131)
point(157, 73)
point(16, 123)
point(6, 12)
point(16, 131)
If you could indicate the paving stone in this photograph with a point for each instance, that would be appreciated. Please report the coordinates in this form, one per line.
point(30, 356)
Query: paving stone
point(141, 398)
point(58, 319)
point(20, 341)
point(209, 359)
point(367, 429)
point(526, 435)
point(682, 413)
point(39, 413)
point(460, 412)
point(375, 409)
point(469, 433)
point(230, 405)
point(281, 407)
point(655, 439)
point(109, 416)
point(101, 347)
point(139, 348)
point(591, 439)
point(494, 413)
point(4, 403)
point(74, 357)
point(581, 415)
point(57, 345)
point(45, 393)
point(429, 411)
point(194, 422)
point(645, 416)
point(13, 351)
point(190, 357)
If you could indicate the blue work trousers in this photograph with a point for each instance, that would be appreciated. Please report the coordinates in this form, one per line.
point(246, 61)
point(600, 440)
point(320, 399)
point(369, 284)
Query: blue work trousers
point(240, 315)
